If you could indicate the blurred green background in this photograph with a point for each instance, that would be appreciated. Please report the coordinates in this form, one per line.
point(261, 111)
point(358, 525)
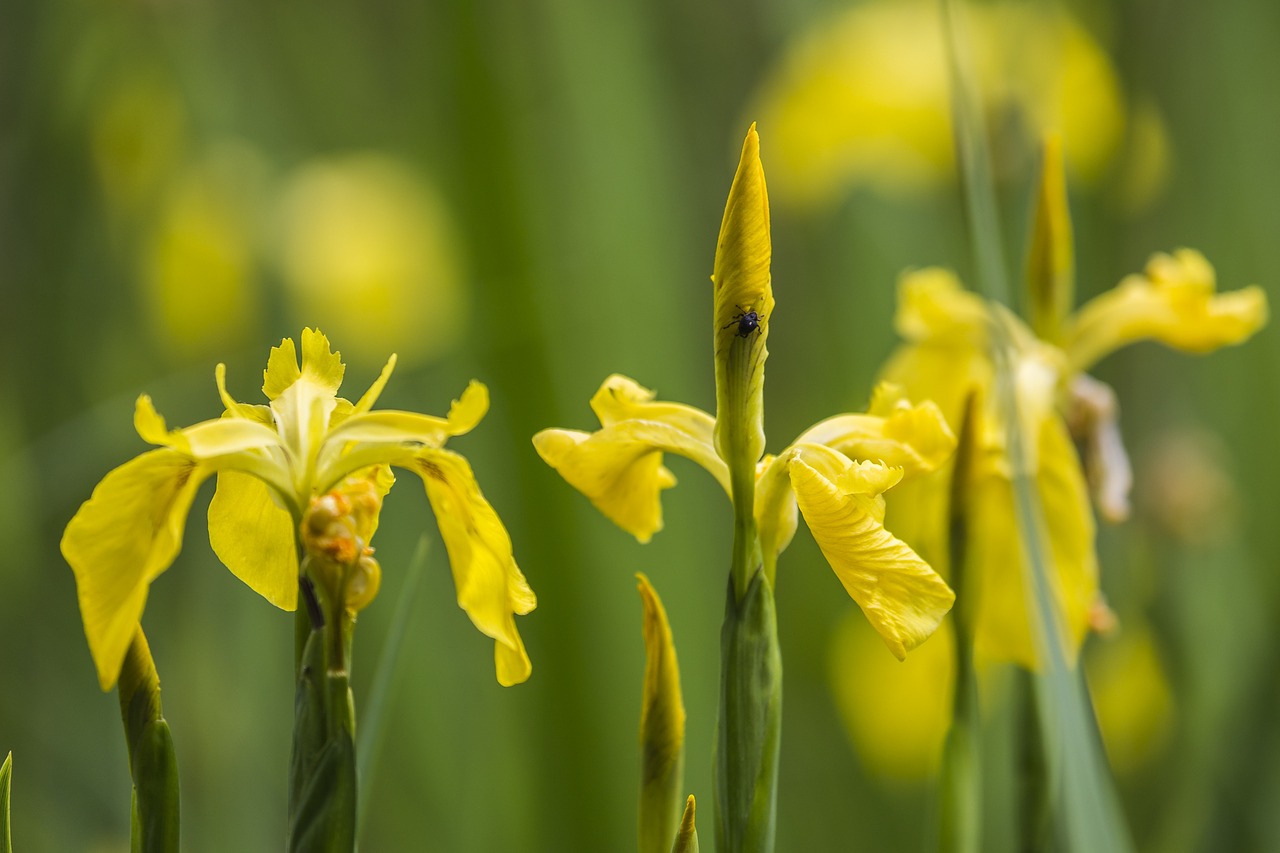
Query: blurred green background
point(529, 194)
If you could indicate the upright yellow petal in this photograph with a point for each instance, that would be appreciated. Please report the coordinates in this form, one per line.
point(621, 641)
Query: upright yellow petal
point(1051, 262)
point(491, 588)
point(1173, 302)
point(254, 538)
point(902, 597)
point(743, 309)
point(120, 540)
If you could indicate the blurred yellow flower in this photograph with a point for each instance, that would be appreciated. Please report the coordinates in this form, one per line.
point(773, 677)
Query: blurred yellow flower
point(896, 714)
point(863, 98)
point(948, 356)
point(199, 263)
point(271, 462)
point(368, 250)
point(1131, 696)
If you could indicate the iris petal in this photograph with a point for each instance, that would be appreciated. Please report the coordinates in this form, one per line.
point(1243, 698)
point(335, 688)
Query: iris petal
point(902, 597)
point(254, 538)
point(490, 586)
point(121, 539)
point(1173, 302)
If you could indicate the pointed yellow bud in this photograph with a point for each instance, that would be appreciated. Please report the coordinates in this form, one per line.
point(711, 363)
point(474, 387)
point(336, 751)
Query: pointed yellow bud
point(743, 310)
point(662, 720)
point(687, 837)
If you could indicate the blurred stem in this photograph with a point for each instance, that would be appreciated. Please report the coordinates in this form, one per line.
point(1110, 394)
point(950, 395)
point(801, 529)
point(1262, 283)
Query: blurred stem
point(1034, 803)
point(369, 742)
point(973, 153)
point(960, 829)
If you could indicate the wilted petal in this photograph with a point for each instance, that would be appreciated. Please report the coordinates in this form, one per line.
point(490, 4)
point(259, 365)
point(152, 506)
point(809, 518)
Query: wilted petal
point(1174, 302)
point(120, 540)
point(491, 588)
point(902, 597)
point(255, 538)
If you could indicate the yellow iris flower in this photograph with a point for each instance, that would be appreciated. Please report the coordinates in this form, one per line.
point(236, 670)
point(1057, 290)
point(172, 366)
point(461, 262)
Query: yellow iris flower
point(949, 355)
point(834, 474)
point(271, 461)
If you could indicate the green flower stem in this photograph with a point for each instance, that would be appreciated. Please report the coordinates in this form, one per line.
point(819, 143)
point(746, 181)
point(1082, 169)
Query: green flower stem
point(322, 772)
point(960, 821)
point(153, 764)
point(750, 725)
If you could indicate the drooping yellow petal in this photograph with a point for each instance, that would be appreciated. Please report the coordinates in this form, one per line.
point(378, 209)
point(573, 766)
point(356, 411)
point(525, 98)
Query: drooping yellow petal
point(255, 538)
point(1173, 302)
point(120, 540)
point(491, 588)
point(743, 309)
point(1002, 630)
point(619, 468)
point(902, 597)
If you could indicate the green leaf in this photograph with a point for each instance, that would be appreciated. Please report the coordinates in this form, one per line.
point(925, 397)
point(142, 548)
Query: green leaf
point(750, 725)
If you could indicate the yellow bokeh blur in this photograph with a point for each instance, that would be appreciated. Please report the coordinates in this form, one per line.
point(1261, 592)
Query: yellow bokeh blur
point(863, 98)
point(896, 712)
point(368, 253)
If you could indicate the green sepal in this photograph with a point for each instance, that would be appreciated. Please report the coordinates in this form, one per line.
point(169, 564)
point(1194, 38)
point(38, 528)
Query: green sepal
point(6, 774)
point(687, 835)
point(750, 726)
point(322, 768)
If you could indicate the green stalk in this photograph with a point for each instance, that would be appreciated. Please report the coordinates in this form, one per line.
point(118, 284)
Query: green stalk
point(369, 741)
point(322, 767)
point(153, 764)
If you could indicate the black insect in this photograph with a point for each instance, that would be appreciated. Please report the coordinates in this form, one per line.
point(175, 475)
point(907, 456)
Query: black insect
point(746, 321)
